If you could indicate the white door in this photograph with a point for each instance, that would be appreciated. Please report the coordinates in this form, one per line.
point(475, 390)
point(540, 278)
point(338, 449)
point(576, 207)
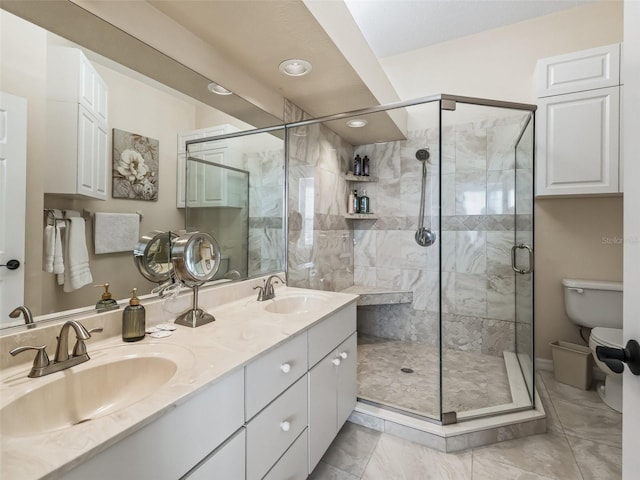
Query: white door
point(631, 139)
point(13, 171)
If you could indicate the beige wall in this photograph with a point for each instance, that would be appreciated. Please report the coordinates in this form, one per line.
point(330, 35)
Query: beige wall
point(571, 234)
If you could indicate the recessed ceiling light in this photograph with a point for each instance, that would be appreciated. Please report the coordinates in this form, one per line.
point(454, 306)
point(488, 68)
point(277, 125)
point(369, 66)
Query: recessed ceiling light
point(295, 67)
point(357, 123)
point(219, 89)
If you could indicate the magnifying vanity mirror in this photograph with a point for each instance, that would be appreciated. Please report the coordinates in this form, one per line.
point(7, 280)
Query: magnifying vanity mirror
point(152, 256)
point(196, 258)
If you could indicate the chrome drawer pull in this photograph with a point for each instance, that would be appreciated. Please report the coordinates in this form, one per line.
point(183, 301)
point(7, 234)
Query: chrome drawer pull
point(285, 367)
point(285, 426)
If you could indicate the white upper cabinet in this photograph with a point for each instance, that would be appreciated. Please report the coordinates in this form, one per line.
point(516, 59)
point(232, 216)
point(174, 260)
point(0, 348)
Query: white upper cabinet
point(578, 71)
point(578, 123)
point(77, 131)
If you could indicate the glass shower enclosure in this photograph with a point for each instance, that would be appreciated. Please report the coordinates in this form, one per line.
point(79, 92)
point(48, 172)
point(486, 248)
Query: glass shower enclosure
point(445, 326)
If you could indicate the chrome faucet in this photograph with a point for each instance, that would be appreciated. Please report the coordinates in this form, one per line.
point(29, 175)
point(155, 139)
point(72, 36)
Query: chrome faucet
point(26, 313)
point(267, 292)
point(43, 366)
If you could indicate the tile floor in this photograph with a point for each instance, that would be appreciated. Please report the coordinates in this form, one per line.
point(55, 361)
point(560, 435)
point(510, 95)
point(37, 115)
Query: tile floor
point(583, 442)
point(470, 380)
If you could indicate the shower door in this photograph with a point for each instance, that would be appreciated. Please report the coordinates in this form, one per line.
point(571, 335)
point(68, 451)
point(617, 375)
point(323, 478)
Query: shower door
point(487, 239)
point(523, 260)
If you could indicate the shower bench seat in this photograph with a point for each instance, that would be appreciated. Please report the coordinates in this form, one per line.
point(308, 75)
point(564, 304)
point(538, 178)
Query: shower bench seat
point(379, 296)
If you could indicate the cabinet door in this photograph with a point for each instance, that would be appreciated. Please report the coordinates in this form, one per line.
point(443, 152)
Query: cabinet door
point(87, 149)
point(213, 180)
point(101, 160)
point(579, 71)
point(323, 398)
point(577, 139)
point(347, 378)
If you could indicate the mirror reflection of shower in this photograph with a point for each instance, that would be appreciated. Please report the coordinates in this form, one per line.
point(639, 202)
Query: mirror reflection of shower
point(425, 237)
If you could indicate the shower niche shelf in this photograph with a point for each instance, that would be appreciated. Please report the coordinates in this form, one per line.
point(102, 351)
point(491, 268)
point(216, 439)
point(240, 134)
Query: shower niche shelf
point(349, 177)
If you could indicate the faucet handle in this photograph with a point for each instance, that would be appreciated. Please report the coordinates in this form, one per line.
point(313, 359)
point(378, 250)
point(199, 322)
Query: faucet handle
point(41, 360)
point(80, 348)
point(260, 293)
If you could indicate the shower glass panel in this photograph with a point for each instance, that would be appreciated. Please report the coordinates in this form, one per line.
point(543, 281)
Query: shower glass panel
point(486, 211)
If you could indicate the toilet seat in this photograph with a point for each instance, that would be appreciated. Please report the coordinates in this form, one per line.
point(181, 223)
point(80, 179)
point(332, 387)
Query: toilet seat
point(607, 337)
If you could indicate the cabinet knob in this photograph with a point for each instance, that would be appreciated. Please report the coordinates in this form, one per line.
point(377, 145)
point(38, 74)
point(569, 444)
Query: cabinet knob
point(336, 362)
point(285, 426)
point(285, 367)
point(344, 355)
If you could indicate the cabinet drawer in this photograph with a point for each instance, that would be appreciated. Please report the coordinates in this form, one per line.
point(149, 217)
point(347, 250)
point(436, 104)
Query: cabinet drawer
point(272, 373)
point(579, 71)
point(227, 461)
point(293, 464)
point(271, 432)
point(326, 336)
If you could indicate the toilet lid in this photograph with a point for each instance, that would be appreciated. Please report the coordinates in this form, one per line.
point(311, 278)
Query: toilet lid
point(607, 337)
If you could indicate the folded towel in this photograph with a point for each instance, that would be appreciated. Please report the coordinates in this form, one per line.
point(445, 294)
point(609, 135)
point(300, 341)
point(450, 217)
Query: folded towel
point(58, 258)
point(48, 248)
point(116, 232)
point(76, 257)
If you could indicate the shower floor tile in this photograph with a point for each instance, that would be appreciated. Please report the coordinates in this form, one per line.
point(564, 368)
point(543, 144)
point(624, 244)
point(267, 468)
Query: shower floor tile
point(470, 380)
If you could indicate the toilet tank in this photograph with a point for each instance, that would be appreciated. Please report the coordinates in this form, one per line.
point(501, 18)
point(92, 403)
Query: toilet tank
point(593, 303)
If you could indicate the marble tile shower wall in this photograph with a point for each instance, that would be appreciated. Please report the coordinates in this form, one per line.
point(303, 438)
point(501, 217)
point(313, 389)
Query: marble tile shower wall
point(266, 211)
point(320, 239)
point(478, 204)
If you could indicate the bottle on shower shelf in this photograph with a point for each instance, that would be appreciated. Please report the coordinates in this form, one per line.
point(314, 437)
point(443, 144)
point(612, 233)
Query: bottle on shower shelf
point(357, 166)
point(350, 203)
point(364, 202)
point(365, 166)
point(356, 202)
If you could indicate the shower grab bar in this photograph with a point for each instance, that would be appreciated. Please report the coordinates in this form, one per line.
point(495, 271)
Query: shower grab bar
point(529, 267)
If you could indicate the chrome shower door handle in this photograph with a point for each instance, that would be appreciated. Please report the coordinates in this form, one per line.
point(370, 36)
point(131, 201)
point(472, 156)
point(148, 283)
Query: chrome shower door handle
point(528, 268)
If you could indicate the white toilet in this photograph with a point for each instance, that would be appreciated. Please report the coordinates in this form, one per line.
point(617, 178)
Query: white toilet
point(598, 305)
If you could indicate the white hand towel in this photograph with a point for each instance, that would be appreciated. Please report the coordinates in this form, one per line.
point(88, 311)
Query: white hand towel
point(116, 232)
point(48, 248)
point(76, 257)
point(58, 258)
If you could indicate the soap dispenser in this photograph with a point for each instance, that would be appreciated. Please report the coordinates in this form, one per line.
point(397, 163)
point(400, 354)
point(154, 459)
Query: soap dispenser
point(133, 322)
point(106, 303)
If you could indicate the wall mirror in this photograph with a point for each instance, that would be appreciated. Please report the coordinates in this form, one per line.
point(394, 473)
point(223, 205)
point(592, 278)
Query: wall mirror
point(251, 164)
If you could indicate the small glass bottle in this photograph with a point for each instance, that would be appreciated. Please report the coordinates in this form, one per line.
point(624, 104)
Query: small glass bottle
point(357, 166)
point(133, 321)
point(356, 202)
point(365, 166)
point(364, 202)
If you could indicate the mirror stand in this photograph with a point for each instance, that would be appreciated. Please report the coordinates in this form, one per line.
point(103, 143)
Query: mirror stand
point(194, 317)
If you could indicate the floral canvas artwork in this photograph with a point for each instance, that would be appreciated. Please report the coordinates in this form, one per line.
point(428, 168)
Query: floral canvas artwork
point(135, 166)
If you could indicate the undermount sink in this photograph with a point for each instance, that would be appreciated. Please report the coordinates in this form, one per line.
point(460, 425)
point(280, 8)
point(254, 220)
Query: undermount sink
point(78, 396)
point(295, 304)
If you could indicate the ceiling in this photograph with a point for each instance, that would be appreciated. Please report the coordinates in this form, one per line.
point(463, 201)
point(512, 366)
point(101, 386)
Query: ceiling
point(413, 24)
point(239, 44)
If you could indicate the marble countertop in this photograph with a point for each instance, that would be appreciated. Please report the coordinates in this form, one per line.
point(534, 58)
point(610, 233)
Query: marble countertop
point(243, 330)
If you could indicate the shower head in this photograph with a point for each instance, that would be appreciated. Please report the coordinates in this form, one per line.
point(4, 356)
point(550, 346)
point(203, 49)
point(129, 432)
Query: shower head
point(422, 154)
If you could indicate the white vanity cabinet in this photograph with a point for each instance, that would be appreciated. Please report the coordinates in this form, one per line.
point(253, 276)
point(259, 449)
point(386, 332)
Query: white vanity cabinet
point(578, 123)
point(332, 379)
point(180, 440)
point(208, 186)
point(77, 131)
